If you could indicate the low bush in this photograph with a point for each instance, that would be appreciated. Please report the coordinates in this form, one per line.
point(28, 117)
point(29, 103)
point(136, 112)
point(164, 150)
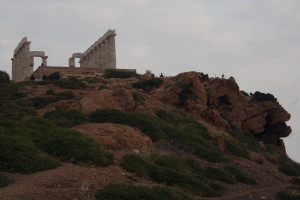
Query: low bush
point(148, 85)
point(138, 98)
point(185, 173)
point(41, 101)
point(52, 77)
point(130, 192)
point(289, 170)
point(295, 181)
point(90, 80)
point(72, 146)
point(4, 77)
point(259, 96)
point(185, 94)
point(19, 155)
point(4, 181)
point(235, 148)
point(158, 129)
point(112, 73)
point(240, 176)
point(290, 193)
point(66, 118)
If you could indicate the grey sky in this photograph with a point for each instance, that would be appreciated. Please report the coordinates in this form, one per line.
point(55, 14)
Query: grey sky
point(256, 41)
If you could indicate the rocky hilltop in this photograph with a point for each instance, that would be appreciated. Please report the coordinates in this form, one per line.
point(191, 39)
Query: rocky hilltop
point(125, 136)
point(217, 101)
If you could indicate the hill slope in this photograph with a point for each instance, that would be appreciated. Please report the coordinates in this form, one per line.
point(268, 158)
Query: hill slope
point(190, 136)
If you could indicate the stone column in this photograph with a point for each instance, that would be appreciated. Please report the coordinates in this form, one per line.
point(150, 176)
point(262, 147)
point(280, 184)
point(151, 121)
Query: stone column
point(12, 69)
point(31, 61)
point(71, 62)
point(44, 60)
point(107, 52)
point(102, 56)
point(112, 55)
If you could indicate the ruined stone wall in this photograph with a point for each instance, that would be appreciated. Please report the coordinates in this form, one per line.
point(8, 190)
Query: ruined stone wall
point(102, 54)
point(23, 61)
point(21, 68)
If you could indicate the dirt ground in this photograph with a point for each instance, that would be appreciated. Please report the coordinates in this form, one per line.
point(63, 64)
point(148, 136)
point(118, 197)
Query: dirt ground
point(74, 182)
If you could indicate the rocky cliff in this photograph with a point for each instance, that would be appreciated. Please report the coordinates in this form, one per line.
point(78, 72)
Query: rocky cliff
point(220, 102)
point(217, 101)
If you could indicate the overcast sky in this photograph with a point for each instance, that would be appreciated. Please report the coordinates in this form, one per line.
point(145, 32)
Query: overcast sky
point(256, 41)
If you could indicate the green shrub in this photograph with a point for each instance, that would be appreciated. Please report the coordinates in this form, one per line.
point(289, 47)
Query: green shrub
point(72, 146)
point(240, 176)
point(49, 92)
point(205, 77)
point(19, 155)
point(290, 193)
point(288, 170)
point(41, 101)
point(148, 85)
point(69, 83)
point(247, 140)
point(236, 148)
point(228, 120)
point(130, 192)
point(68, 145)
point(185, 94)
point(90, 80)
point(4, 77)
point(66, 118)
point(245, 93)
point(185, 173)
point(112, 73)
point(158, 129)
point(295, 181)
point(259, 96)
point(4, 181)
point(138, 98)
point(65, 95)
point(218, 174)
point(53, 77)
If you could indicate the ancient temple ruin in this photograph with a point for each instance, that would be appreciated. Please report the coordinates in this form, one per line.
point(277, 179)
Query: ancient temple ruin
point(93, 62)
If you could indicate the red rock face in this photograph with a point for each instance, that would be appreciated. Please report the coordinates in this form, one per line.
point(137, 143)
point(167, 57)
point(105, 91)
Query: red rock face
point(220, 103)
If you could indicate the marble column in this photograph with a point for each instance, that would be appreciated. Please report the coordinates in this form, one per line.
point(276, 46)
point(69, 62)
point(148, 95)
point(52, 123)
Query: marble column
point(44, 60)
point(112, 55)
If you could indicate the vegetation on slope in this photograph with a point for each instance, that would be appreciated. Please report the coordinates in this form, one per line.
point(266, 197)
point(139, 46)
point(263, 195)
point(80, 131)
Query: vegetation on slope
point(130, 192)
point(4, 180)
point(148, 85)
point(29, 143)
point(112, 73)
point(194, 134)
point(185, 173)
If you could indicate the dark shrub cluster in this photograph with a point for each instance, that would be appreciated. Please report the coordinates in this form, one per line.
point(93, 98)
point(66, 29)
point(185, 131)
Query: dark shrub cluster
point(4, 77)
point(184, 94)
point(41, 101)
point(259, 96)
point(112, 73)
point(66, 118)
point(184, 172)
point(19, 155)
point(205, 77)
point(148, 85)
point(130, 192)
point(4, 180)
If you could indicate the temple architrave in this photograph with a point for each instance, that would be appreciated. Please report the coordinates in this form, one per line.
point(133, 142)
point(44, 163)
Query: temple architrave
point(93, 62)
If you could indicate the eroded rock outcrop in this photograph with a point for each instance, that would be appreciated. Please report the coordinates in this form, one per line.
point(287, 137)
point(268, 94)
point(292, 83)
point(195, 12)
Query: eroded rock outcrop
point(220, 102)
